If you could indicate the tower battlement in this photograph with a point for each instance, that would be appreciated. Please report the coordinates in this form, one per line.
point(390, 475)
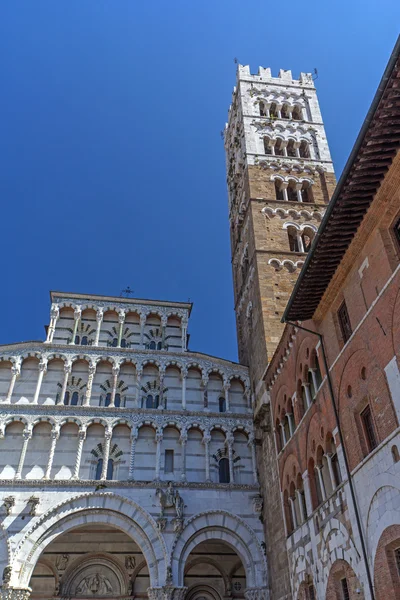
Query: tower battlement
point(264, 74)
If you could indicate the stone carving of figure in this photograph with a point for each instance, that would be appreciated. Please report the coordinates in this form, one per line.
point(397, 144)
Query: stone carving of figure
point(170, 499)
point(62, 561)
point(94, 585)
point(130, 563)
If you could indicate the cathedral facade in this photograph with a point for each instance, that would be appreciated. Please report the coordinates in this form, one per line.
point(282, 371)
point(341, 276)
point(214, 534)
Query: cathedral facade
point(127, 462)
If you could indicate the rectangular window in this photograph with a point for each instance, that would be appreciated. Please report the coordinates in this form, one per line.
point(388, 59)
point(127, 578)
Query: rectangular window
point(366, 417)
point(344, 322)
point(336, 469)
point(169, 461)
point(345, 589)
point(397, 559)
point(396, 230)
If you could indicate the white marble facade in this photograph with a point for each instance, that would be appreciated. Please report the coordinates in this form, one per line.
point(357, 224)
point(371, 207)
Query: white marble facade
point(127, 462)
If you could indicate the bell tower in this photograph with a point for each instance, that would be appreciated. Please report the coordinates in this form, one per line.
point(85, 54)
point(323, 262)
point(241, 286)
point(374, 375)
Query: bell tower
point(280, 178)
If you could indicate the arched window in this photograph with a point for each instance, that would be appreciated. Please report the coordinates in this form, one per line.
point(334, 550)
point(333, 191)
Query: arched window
point(278, 435)
point(306, 193)
point(159, 345)
point(99, 469)
point(152, 401)
point(293, 239)
point(84, 341)
point(290, 149)
point(222, 404)
point(223, 468)
point(117, 400)
point(123, 343)
point(285, 112)
point(66, 398)
point(304, 149)
point(114, 343)
point(279, 151)
point(267, 146)
point(152, 345)
point(77, 339)
point(286, 428)
point(307, 237)
point(108, 399)
point(297, 114)
point(278, 191)
point(310, 381)
point(273, 111)
point(263, 110)
point(292, 192)
point(288, 513)
point(75, 399)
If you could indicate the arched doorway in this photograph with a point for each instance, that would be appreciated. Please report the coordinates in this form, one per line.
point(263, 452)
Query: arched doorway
point(214, 571)
point(91, 561)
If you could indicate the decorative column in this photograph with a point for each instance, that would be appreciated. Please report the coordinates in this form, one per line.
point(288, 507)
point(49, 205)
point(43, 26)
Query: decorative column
point(139, 373)
point(42, 371)
point(330, 468)
point(283, 433)
point(283, 189)
point(293, 509)
point(298, 191)
point(121, 321)
point(115, 372)
point(161, 381)
point(15, 372)
point(67, 372)
point(77, 318)
point(99, 319)
point(283, 146)
point(307, 492)
point(81, 439)
point(184, 376)
point(321, 482)
point(183, 439)
point(278, 110)
point(164, 320)
point(55, 434)
point(204, 384)
point(92, 371)
point(106, 452)
point(252, 447)
point(227, 385)
point(247, 395)
point(142, 324)
point(184, 326)
point(158, 440)
point(306, 387)
point(229, 442)
point(296, 146)
point(314, 379)
point(26, 434)
point(301, 505)
point(299, 239)
point(54, 314)
point(206, 441)
point(134, 437)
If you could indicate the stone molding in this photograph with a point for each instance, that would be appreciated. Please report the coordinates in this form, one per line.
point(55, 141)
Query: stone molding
point(140, 309)
point(167, 592)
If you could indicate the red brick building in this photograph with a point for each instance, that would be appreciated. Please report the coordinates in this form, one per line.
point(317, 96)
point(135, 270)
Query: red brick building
point(334, 379)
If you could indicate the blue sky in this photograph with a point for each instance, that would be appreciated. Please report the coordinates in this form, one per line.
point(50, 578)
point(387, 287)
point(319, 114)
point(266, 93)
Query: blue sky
point(112, 166)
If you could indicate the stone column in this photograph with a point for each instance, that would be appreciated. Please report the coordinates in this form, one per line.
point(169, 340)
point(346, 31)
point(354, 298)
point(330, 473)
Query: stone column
point(26, 434)
point(92, 371)
point(184, 325)
point(134, 437)
point(81, 439)
point(115, 371)
point(290, 419)
point(161, 380)
point(142, 324)
point(321, 482)
point(298, 191)
point(42, 371)
point(330, 468)
point(229, 442)
point(204, 384)
point(99, 319)
point(55, 434)
point(183, 439)
point(158, 440)
point(15, 372)
point(283, 189)
point(67, 372)
point(296, 146)
point(227, 385)
point(106, 452)
point(282, 426)
point(293, 509)
point(299, 239)
point(306, 387)
point(54, 314)
point(301, 506)
point(77, 318)
point(314, 379)
point(307, 492)
point(206, 441)
point(121, 321)
point(184, 376)
point(139, 373)
point(253, 457)
point(247, 395)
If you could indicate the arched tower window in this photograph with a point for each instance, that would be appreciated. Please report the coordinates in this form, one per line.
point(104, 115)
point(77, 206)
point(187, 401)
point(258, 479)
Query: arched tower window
point(263, 110)
point(293, 239)
point(297, 114)
point(267, 146)
point(222, 404)
point(292, 192)
point(278, 191)
point(273, 111)
point(306, 192)
point(223, 470)
point(290, 148)
point(304, 149)
point(279, 148)
point(285, 112)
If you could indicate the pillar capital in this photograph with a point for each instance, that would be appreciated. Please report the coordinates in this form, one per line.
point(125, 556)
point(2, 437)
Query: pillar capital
point(27, 432)
point(183, 437)
point(43, 364)
point(143, 317)
point(77, 312)
point(54, 311)
point(121, 316)
point(115, 369)
point(206, 438)
point(229, 439)
point(164, 320)
point(99, 314)
point(82, 435)
point(55, 432)
point(68, 366)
